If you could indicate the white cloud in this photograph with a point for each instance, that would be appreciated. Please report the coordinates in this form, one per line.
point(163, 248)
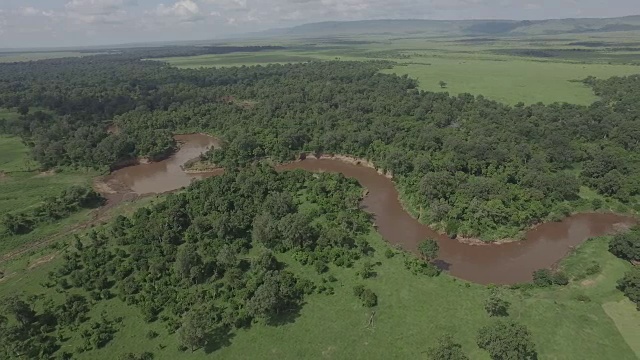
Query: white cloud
point(98, 7)
point(182, 10)
point(98, 11)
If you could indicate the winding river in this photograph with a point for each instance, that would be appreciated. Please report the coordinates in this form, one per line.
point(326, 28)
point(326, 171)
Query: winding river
point(507, 263)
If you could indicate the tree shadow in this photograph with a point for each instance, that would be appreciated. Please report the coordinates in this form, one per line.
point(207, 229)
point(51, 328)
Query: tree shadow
point(287, 317)
point(442, 265)
point(218, 339)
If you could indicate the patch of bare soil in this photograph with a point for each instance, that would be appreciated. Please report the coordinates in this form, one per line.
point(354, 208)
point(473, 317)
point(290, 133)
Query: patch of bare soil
point(41, 261)
point(46, 173)
point(591, 282)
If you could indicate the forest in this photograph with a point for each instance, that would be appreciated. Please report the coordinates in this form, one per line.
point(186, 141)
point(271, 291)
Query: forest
point(467, 165)
point(203, 262)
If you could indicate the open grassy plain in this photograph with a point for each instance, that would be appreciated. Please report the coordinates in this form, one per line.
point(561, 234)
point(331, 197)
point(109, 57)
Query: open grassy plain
point(510, 70)
point(34, 56)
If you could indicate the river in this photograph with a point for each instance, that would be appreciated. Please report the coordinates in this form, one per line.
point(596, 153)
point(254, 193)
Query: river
point(507, 263)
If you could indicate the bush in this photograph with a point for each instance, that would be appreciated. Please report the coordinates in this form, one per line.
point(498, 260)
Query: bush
point(507, 340)
point(389, 253)
point(560, 278)
point(152, 334)
point(321, 267)
point(583, 298)
point(369, 298)
point(543, 277)
point(593, 269)
point(420, 267)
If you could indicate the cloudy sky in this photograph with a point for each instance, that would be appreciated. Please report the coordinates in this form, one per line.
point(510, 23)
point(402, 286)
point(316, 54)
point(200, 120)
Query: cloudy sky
point(36, 23)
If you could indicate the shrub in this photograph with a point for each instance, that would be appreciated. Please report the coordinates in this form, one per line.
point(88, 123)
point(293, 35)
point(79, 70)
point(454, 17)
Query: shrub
point(321, 267)
point(543, 277)
point(369, 298)
point(560, 278)
point(389, 253)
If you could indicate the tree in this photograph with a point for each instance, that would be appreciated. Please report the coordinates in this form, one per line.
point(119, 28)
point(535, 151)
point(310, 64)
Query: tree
point(189, 263)
point(626, 245)
point(429, 249)
point(23, 109)
point(496, 306)
point(630, 285)
point(369, 298)
point(194, 330)
point(447, 349)
point(506, 340)
point(442, 84)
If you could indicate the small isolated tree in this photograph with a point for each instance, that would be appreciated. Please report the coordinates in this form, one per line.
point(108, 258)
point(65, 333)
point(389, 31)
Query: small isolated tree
point(193, 333)
point(369, 298)
point(447, 349)
point(442, 84)
point(429, 249)
point(507, 340)
point(496, 306)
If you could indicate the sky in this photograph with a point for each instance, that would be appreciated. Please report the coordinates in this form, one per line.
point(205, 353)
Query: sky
point(65, 23)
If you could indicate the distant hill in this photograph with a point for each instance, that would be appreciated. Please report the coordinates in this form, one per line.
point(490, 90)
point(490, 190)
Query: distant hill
point(457, 27)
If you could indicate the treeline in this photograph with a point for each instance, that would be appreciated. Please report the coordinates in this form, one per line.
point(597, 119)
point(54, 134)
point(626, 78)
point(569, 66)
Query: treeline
point(205, 261)
point(468, 165)
point(52, 209)
point(626, 246)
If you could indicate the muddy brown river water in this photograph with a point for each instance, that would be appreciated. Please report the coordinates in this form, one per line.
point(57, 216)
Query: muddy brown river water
point(507, 263)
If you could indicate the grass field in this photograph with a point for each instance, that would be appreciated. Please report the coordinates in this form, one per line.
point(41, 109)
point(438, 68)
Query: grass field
point(33, 56)
point(23, 186)
point(528, 70)
point(413, 312)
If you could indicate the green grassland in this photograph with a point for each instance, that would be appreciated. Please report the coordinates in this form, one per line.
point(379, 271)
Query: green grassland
point(33, 56)
point(525, 69)
point(23, 186)
point(589, 319)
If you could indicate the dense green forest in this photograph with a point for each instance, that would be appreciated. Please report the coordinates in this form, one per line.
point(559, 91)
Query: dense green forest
point(227, 252)
point(202, 262)
point(470, 166)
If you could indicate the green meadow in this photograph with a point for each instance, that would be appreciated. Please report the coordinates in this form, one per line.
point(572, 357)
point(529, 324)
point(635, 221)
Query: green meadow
point(588, 319)
point(509, 70)
point(23, 185)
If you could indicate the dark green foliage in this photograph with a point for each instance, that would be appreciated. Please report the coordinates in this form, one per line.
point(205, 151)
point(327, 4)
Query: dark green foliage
point(52, 209)
point(630, 285)
point(496, 305)
point(369, 298)
point(506, 340)
point(560, 278)
point(626, 245)
point(429, 249)
point(188, 261)
point(420, 267)
point(465, 161)
point(367, 270)
point(447, 349)
point(132, 356)
point(543, 277)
